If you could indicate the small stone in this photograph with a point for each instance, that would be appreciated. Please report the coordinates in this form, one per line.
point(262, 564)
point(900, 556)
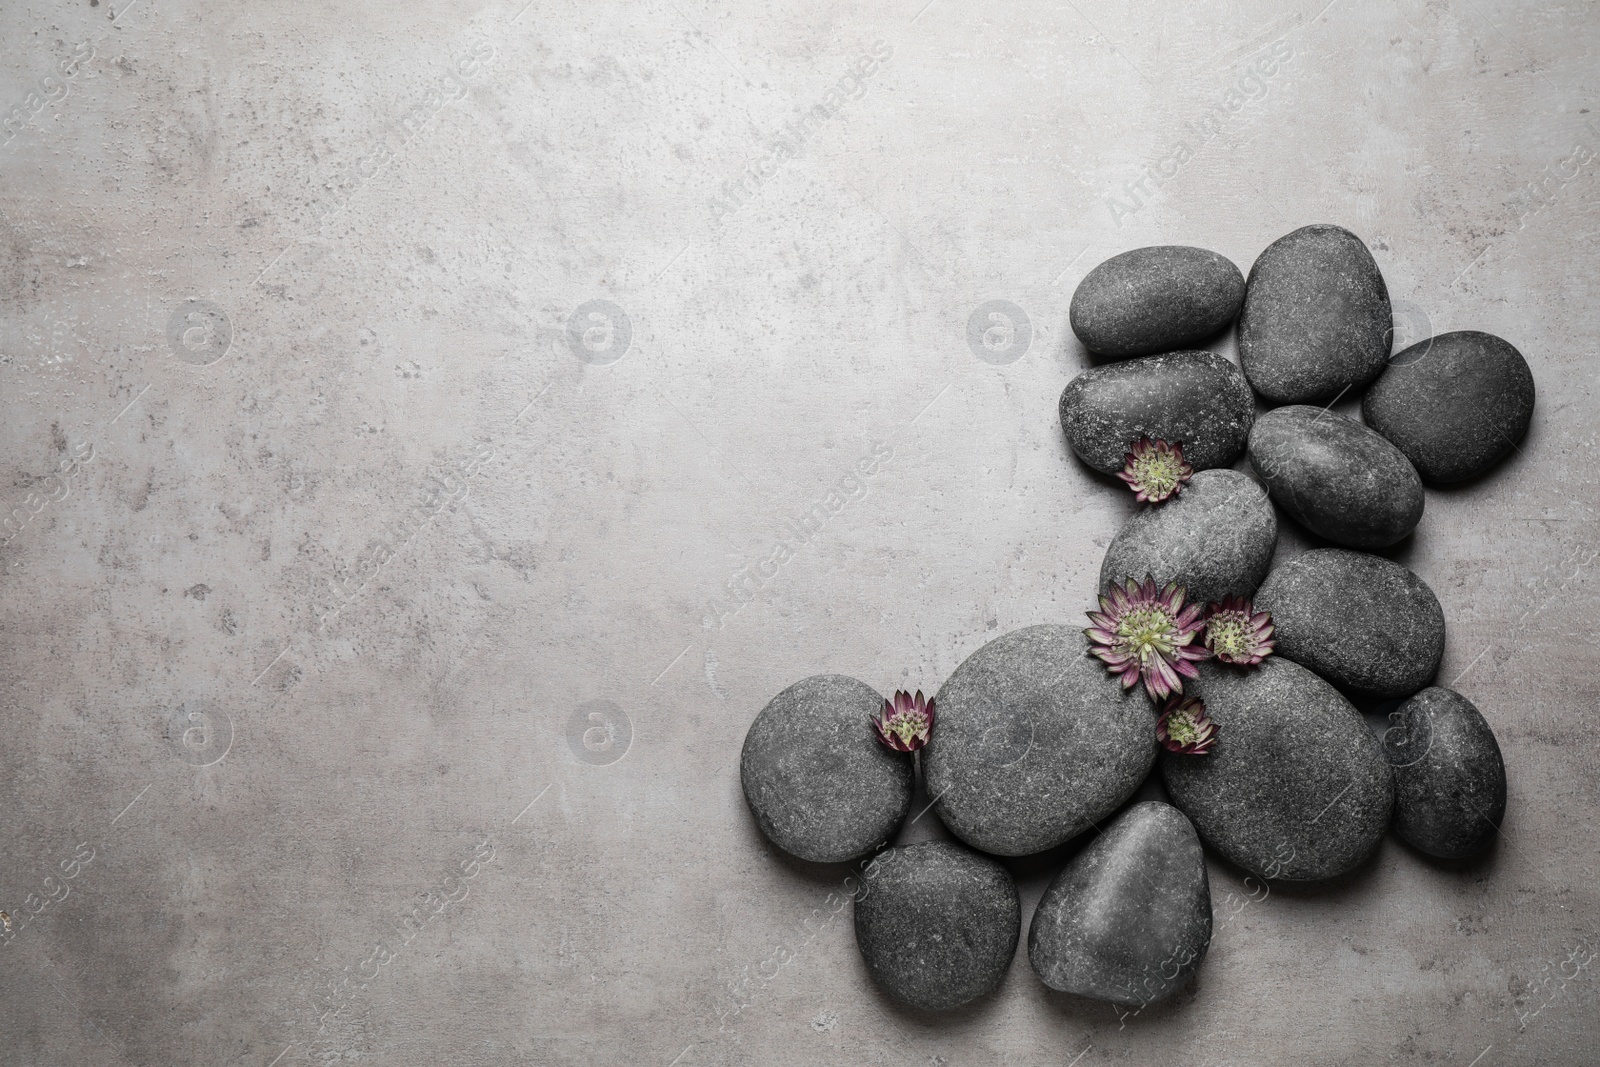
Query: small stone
point(1129, 918)
point(1197, 399)
point(1336, 477)
point(1215, 538)
point(1155, 299)
point(820, 784)
point(1316, 319)
point(1296, 786)
point(1449, 778)
point(1455, 404)
point(1364, 623)
point(1034, 743)
point(937, 925)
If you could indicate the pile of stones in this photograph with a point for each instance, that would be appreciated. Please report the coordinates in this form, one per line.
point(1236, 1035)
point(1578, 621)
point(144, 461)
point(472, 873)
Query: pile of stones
point(1035, 743)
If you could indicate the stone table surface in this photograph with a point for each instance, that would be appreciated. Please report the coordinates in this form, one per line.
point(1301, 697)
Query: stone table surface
point(433, 431)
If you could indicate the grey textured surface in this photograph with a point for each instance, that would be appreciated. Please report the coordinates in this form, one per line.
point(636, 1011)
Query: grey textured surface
point(1128, 920)
point(938, 925)
point(1296, 787)
point(1316, 319)
point(1156, 299)
point(818, 781)
point(1449, 776)
point(1336, 477)
point(630, 549)
point(1455, 404)
point(1197, 399)
point(1214, 538)
point(1362, 622)
point(1035, 742)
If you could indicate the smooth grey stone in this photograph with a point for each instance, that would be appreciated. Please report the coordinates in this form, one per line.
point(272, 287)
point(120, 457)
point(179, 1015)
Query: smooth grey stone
point(819, 782)
point(1336, 477)
point(1198, 399)
point(1035, 742)
point(938, 924)
point(1296, 786)
point(1449, 778)
point(1365, 623)
point(1129, 918)
point(1214, 538)
point(1155, 299)
point(1316, 319)
point(1455, 404)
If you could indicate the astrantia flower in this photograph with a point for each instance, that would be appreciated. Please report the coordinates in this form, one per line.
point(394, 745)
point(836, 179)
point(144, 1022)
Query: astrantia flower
point(1144, 633)
point(1155, 470)
point(1237, 633)
point(1184, 727)
point(905, 721)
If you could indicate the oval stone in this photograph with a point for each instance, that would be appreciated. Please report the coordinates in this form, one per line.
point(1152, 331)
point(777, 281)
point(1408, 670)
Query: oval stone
point(1336, 477)
point(820, 784)
point(1034, 743)
point(1129, 918)
point(1214, 538)
point(1316, 319)
point(1197, 399)
point(1449, 777)
point(1455, 404)
point(938, 925)
point(1295, 786)
point(1365, 623)
point(1155, 299)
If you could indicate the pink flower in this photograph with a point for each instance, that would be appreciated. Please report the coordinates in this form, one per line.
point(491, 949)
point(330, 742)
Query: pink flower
point(1142, 633)
point(1184, 727)
point(1155, 470)
point(905, 722)
point(1237, 633)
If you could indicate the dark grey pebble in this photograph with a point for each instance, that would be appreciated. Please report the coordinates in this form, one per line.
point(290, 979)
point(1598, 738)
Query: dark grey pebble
point(1316, 318)
point(1296, 786)
point(1365, 623)
point(1129, 918)
point(1197, 399)
point(1336, 477)
point(937, 925)
point(1455, 404)
point(1449, 778)
point(1214, 538)
point(820, 784)
point(1155, 299)
point(1034, 742)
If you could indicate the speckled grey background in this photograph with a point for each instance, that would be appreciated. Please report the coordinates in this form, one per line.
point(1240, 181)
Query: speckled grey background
point(374, 688)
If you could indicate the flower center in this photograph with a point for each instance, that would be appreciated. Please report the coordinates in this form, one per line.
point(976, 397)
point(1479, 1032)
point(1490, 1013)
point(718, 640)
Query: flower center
point(905, 727)
point(1181, 728)
point(1158, 471)
point(1146, 630)
point(1229, 635)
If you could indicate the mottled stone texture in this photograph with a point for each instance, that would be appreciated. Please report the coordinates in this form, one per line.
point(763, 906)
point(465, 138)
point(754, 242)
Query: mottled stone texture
point(1035, 742)
point(1455, 404)
point(1449, 780)
point(1155, 299)
point(938, 924)
point(1363, 622)
point(1197, 399)
point(1129, 918)
point(819, 782)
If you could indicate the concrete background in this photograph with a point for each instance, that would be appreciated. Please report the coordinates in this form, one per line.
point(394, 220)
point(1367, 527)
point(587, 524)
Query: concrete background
point(368, 697)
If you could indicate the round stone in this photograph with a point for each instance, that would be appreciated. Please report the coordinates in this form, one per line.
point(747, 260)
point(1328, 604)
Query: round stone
point(1155, 299)
point(1364, 623)
point(819, 782)
point(1316, 319)
point(1295, 786)
point(1034, 743)
point(1336, 477)
point(1449, 779)
point(1197, 399)
point(1129, 918)
point(938, 924)
point(1455, 404)
point(1214, 538)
